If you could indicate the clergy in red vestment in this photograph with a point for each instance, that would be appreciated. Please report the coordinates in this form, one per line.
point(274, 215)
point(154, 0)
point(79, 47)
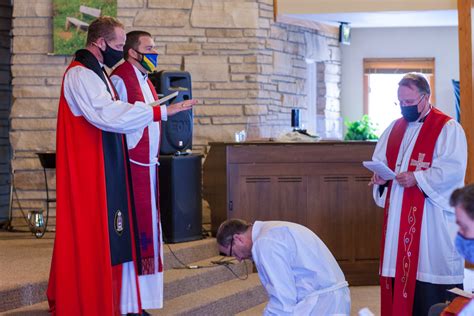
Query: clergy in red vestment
point(427, 150)
point(132, 84)
point(95, 223)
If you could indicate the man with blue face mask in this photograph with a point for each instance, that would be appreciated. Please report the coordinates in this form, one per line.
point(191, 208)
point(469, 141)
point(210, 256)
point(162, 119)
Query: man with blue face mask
point(427, 150)
point(463, 202)
point(132, 84)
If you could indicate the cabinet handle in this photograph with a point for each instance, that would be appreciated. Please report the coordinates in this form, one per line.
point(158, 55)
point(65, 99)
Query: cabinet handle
point(231, 206)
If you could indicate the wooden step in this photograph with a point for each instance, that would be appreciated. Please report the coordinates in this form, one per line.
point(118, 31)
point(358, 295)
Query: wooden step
point(38, 309)
point(183, 281)
point(188, 252)
point(227, 298)
point(27, 262)
point(254, 311)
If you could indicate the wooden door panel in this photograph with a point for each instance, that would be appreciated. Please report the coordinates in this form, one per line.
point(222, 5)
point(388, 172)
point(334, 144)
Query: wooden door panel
point(368, 220)
point(291, 199)
point(330, 219)
point(256, 198)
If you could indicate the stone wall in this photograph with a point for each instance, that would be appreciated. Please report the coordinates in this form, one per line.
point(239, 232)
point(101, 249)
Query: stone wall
point(247, 71)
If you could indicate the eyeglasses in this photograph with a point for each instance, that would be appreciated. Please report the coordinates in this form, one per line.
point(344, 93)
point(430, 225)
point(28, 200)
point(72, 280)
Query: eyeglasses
point(231, 244)
point(409, 102)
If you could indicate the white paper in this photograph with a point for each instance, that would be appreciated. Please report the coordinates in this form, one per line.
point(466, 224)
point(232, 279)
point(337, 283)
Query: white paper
point(163, 100)
point(365, 312)
point(460, 292)
point(380, 169)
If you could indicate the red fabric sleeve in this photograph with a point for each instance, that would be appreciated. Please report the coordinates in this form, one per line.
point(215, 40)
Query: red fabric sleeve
point(157, 113)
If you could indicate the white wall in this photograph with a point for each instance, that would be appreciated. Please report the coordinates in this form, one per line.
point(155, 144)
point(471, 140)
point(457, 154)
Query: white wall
point(438, 42)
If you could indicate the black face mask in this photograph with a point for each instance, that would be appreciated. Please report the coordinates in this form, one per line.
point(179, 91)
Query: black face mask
point(410, 112)
point(111, 56)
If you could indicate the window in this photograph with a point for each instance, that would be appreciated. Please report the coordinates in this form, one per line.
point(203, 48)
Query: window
point(312, 85)
point(381, 77)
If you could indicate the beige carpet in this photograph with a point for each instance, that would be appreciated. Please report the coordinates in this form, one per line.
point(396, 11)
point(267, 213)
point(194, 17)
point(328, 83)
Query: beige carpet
point(365, 296)
point(362, 296)
point(25, 260)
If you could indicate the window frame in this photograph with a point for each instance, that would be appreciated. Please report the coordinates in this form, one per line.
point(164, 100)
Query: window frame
point(395, 66)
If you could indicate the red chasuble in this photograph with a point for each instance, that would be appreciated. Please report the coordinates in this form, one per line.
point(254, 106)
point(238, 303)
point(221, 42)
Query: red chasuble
point(94, 233)
point(141, 178)
point(398, 301)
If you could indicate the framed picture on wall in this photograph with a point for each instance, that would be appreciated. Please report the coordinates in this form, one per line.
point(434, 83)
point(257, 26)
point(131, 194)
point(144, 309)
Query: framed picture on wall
point(71, 19)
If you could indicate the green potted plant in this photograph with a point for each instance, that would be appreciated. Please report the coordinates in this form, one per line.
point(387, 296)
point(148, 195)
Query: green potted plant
point(364, 129)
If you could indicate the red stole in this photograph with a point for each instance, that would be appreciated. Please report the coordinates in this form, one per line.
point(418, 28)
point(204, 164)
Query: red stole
point(141, 178)
point(398, 301)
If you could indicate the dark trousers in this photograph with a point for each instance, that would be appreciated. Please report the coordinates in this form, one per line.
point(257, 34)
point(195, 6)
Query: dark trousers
point(429, 294)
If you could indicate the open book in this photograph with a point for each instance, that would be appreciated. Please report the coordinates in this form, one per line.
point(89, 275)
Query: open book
point(163, 100)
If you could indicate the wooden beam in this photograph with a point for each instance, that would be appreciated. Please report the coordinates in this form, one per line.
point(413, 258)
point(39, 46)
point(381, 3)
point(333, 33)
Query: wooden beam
point(275, 9)
point(400, 63)
point(466, 76)
point(341, 6)
point(325, 29)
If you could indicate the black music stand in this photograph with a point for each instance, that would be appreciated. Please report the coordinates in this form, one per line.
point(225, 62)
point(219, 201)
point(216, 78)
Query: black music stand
point(48, 161)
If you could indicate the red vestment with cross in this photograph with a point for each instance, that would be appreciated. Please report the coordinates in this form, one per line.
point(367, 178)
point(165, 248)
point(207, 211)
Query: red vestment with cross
point(420, 164)
point(397, 299)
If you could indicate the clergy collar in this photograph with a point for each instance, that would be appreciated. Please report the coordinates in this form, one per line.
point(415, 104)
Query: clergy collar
point(422, 120)
point(140, 75)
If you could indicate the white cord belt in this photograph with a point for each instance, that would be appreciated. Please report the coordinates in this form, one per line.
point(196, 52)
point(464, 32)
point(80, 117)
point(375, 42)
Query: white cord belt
point(152, 163)
point(333, 288)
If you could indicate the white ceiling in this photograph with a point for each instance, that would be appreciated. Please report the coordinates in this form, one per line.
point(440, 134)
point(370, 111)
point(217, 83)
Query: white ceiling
point(386, 19)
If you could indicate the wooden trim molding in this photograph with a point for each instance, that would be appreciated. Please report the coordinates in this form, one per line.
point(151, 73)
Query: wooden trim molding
point(466, 81)
point(345, 6)
point(275, 10)
point(366, 93)
point(324, 29)
point(399, 63)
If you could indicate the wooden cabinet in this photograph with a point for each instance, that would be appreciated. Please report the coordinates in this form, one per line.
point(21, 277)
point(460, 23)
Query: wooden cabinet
point(320, 185)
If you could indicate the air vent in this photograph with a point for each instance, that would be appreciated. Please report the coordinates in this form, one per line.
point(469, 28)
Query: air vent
point(336, 179)
point(257, 179)
point(290, 179)
point(362, 179)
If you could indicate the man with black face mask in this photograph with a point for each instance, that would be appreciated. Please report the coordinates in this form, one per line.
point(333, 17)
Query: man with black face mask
point(427, 150)
point(132, 84)
point(95, 234)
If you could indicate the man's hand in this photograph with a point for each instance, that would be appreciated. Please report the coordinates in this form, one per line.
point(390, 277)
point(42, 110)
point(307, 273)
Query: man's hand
point(377, 180)
point(174, 108)
point(406, 179)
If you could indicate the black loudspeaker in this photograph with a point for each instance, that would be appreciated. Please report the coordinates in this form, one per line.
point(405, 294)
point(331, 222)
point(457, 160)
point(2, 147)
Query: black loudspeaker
point(180, 197)
point(177, 131)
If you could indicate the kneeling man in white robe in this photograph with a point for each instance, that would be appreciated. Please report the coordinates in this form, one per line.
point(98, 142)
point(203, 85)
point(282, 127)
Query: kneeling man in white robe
point(296, 268)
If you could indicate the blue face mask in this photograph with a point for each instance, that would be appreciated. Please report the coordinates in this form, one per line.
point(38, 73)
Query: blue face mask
point(465, 247)
point(410, 112)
